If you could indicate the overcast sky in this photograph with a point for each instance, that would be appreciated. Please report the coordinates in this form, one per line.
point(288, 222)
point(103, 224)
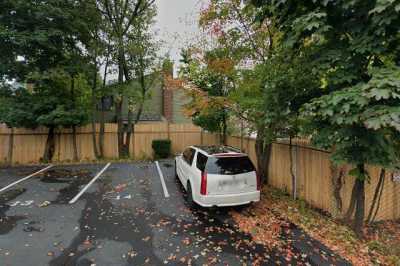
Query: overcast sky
point(177, 24)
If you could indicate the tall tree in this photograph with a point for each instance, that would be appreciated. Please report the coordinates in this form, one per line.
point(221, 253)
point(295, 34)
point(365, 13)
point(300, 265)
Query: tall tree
point(356, 56)
point(28, 49)
point(16, 111)
point(362, 123)
point(144, 66)
point(59, 101)
point(247, 43)
point(269, 97)
point(93, 30)
point(123, 17)
point(210, 73)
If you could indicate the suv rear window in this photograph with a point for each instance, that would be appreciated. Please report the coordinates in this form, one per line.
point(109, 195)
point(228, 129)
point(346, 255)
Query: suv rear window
point(229, 165)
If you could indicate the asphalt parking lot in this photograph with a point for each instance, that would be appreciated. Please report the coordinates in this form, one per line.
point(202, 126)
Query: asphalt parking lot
point(125, 217)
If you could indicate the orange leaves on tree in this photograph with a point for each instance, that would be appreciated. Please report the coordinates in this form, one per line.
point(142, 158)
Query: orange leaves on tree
point(222, 65)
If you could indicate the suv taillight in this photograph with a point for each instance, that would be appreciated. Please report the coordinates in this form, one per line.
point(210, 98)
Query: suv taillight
point(203, 186)
point(258, 181)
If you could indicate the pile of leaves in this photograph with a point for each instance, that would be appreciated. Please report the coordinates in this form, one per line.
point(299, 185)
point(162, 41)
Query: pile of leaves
point(265, 219)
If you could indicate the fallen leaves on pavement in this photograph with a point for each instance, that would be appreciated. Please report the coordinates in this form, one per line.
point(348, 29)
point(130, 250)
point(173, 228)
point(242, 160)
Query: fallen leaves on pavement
point(265, 219)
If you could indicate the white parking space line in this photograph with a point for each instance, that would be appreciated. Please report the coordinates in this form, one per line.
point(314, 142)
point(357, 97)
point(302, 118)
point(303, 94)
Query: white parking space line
point(164, 186)
point(89, 184)
point(25, 178)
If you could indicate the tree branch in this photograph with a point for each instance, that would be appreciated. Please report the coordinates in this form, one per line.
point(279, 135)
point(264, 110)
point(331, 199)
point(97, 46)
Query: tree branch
point(247, 32)
point(136, 13)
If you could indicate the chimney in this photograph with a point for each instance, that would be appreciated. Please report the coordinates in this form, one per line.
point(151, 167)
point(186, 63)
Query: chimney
point(168, 97)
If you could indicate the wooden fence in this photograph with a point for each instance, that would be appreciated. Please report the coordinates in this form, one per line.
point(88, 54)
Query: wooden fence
point(29, 144)
point(314, 178)
point(312, 167)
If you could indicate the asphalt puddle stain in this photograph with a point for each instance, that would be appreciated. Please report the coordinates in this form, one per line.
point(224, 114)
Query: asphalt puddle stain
point(32, 226)
point(75, 179)
point(7, 223)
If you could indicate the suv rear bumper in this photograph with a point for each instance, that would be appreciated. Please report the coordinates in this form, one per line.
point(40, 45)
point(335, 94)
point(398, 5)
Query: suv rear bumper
point(228, 199)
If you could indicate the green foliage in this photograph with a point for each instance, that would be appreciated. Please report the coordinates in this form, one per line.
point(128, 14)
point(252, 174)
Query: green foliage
point(56, 103)
point(161, 148)
point(355, 53)
point(51, 104)
point(35, 35)
point(287, 86)
point(168, 66)
point(210, 119)
point(212, 79)
point(51, 60)
point(16, 107)
point(362, 122)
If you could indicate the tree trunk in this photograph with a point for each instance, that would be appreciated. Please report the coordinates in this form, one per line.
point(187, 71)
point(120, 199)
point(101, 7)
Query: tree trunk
point(360, 207)
point(373, 211)
point(74, 146)
point(352, 205)
point(102, 115)
point(357, 202)
point(263, 153)
point(127, 140)
point(131, 124)
point(128, 128)
point(10, 147)
point(119, 102)
point(337, 184)
point(120, 130)
point(102, 130)
point(74, 143)
point(94, 139)
point(224, 129)
point(50, 146)
point(94, 108)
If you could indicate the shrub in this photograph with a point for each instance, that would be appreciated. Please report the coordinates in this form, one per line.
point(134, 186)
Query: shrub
point(161, 147)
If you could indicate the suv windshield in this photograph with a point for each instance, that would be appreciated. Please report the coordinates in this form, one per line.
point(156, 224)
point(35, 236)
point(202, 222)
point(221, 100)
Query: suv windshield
point(229, 165)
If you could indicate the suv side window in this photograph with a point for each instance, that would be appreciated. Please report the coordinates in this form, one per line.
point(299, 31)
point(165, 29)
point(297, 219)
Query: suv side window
point(201, 161)
point(188, 155)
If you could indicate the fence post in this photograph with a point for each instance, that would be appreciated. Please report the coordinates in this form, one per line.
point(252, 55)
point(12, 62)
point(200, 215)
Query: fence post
point(59, 146)
point(248, 144)
point(133, 139)
point(10, 146)
point(293, 166)
point(201, 137)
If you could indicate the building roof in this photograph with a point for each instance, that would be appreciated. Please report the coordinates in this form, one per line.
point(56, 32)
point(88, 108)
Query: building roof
point(146, 117)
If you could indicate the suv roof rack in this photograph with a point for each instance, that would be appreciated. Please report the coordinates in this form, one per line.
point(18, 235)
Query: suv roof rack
point(215, 149)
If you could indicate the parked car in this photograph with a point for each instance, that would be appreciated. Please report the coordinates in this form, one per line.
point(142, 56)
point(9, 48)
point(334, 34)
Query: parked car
point(217, 176)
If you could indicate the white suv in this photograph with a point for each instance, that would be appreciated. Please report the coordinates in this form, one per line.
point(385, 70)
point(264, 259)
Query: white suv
point(217, 176)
